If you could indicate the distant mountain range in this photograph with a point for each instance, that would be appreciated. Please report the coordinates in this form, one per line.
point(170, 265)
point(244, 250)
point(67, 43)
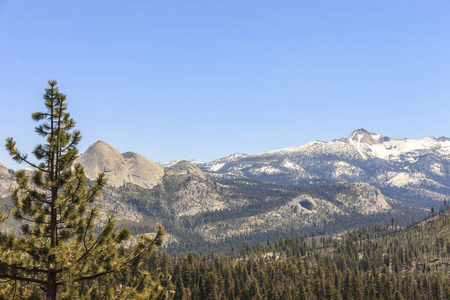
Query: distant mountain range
point(416, 171)
point(322, 187)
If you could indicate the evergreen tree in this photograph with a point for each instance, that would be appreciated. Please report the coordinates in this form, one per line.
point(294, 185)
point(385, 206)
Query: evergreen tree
point(58, 255)
point(398, 296)
point(179, 290)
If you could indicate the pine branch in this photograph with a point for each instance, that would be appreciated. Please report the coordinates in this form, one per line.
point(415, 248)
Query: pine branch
point(86, 253)
point(91, 215)
point(13, 277)
point(94, 276)
point(132, 259)
point(39, 116)
point(75, 140)
point(32, 270)
point(34, 198)
point(135, 288)
point(126, 262)
point(69, 161)
point(31, 221)
point(22, 158)
point(70, 196)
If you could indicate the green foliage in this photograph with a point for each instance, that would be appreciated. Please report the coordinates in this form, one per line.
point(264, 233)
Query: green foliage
point(61, 254)
point(382, 262)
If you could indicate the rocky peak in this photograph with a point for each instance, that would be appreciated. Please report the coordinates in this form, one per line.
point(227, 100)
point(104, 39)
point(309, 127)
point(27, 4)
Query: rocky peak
point(4, 172)
point(443, 139)
point(366, 137)
point(185, 168)
point(120, 168)
point(102, 157)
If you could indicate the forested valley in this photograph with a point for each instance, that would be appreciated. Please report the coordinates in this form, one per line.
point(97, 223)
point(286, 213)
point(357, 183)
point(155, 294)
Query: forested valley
point(380, 262)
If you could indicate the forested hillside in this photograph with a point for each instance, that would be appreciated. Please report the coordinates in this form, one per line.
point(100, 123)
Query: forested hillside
point(381, 262)
point(229, 212)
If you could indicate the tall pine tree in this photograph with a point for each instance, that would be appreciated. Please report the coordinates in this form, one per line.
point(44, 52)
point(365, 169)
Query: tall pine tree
point(58, 255)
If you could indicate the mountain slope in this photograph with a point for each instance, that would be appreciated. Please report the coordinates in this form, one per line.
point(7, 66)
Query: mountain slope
point(417, 169)
point(144, 172)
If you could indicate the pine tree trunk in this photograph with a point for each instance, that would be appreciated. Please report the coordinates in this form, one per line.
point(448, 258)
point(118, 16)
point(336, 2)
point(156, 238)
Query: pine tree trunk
point(51, 285)
point(51, 277)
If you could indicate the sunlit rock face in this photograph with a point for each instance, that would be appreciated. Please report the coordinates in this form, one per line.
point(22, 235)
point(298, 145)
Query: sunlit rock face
point(120, 168)
point(6, 181)
point(144, 172)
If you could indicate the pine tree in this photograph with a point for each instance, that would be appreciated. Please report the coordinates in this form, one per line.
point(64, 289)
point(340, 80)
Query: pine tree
point(58, 254)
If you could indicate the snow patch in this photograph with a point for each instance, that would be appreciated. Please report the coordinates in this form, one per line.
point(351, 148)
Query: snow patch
point(405, 179)
point(343, 168)
point(266, 170)
point(291, 165)
point(295, 149)
point(216, 167)
point(437, 169)
point(393, 149)
point(357, 144)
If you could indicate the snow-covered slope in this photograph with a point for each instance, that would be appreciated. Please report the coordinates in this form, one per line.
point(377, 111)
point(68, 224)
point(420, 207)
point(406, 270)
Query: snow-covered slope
point(364, 145)
point(421, 166)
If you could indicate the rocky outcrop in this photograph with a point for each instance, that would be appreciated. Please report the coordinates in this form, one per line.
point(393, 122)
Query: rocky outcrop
point(101, 157)
point(6, 181)
point(120, 168)
point(185, 169)
point(363, 198)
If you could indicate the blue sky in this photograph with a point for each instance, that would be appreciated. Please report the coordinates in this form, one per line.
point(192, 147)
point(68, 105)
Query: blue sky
point(204, 79)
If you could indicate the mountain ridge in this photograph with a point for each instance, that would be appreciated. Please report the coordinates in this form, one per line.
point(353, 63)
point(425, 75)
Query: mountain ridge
point(420, 167)
point(196, 206)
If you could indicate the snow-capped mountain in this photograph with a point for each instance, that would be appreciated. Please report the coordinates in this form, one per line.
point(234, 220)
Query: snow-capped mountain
point(417, 170)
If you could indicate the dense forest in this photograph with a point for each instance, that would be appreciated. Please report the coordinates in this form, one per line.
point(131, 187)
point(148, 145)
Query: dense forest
point(380, 262)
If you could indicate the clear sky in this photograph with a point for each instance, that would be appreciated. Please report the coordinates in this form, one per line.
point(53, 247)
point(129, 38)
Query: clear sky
point(204, 79)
